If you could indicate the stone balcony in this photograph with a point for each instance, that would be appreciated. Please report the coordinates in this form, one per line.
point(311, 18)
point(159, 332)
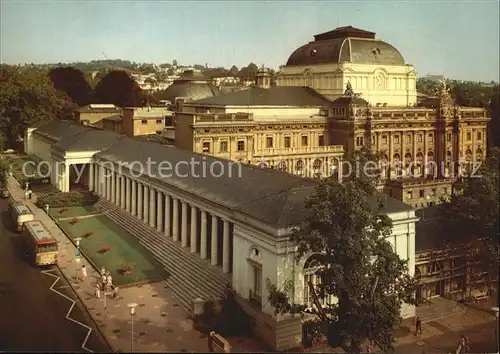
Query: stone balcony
point(320, 150)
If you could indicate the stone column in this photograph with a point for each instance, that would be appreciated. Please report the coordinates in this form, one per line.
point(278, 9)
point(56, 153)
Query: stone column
point(128, 185)
point(213, 246)
point(167, 220)
point(140, 200)
point(203, 243)
point(113, 187)
point(152, 207)
point(194, 230)
point(91, 177)
point(145, 215)
point(184, 225)
point(225, 247)
point(133, 200)
point(67, 177)
point(123, 194)
point(159, 211)
point(175, 219)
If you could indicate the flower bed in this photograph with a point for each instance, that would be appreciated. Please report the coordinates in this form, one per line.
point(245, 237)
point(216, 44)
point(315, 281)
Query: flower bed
point(88, 234)
point(104, 249)
point(74, 221)
point(126, 269)
point(66, 200)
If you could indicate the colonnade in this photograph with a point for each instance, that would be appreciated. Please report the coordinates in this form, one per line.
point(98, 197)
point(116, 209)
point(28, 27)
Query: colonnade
point(204, 233)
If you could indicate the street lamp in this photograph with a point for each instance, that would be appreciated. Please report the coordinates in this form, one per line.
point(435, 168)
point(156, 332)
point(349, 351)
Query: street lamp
point(77, 255)
point(132, 307)
point(497, 337)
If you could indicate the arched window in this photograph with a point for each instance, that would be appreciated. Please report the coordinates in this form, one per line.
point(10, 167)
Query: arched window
point(262, 165)
point(479, 155)
point(281, 166)
point(407, 159)
point(312, 266)
point(468, 155)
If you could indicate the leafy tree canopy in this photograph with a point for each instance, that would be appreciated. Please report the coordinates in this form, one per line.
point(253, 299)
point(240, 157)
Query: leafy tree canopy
point(357, 265)
point(4, 170)
point(73, 82)
point(120, 89)
point(27, 96)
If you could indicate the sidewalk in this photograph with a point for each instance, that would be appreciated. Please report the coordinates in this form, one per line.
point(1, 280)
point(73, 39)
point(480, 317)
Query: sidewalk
point(160, 324)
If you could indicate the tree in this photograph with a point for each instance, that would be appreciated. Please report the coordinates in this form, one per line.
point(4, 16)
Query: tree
point(233, 71)
point(249, 72)
point(471, 214)
point(357, 265)
point(120, 89)
point(73, 82)
point(27, 96)
point(4, 173)
point(494, 124)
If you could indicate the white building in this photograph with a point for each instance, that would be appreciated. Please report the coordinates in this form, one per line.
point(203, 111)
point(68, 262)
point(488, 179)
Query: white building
point(206, 230)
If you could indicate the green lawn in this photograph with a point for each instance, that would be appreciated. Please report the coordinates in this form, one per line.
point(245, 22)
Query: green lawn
point(123, 247)
point(17, 167)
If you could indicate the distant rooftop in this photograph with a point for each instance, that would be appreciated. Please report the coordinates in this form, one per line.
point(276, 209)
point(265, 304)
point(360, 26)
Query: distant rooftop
point(99, 108)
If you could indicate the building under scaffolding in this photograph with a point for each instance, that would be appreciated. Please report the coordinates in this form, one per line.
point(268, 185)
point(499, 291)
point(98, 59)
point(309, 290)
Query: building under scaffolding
point(452, 271)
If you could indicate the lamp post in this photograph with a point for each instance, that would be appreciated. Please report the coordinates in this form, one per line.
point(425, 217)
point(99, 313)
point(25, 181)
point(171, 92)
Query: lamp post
point(77, 255)
point(132, 307)
point(497, 337)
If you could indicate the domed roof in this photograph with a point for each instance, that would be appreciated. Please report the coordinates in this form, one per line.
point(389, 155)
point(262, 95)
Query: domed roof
point(346, 44)
point(191, 86)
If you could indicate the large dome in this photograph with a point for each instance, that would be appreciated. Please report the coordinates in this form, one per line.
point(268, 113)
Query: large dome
point(346, 44)
point(191, 86)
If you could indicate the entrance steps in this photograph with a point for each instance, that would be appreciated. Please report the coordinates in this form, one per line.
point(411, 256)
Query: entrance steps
point(189, 276)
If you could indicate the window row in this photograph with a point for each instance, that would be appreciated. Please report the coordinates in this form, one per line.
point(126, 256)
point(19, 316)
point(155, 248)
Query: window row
point(223, 145)
point(145, 121)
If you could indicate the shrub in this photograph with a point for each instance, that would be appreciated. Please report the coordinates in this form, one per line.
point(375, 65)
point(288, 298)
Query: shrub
point(232, 320)
point(74, 221)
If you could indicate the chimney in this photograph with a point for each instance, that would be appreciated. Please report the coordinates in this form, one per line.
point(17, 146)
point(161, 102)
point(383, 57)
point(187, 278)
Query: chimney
point(263, 78)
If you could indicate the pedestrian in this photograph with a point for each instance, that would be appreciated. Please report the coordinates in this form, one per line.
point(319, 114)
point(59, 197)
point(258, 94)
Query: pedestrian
point(103, 281)
point(97, 291)
point(109, 281)
point(418, 326)
point(29, 193)
point(26, 195)
point(115, 292)
point(84, 272)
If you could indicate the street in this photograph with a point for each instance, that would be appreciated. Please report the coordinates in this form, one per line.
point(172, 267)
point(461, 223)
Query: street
point(32, 316)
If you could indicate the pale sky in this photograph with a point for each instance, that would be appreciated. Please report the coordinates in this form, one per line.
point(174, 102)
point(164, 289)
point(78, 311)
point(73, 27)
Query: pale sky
point(459, 39)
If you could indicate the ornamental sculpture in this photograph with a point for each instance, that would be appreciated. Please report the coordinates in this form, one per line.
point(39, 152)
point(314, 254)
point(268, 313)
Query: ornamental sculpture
point(349, 92)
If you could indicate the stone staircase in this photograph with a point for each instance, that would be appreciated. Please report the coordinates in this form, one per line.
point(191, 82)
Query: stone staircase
point(189, 276)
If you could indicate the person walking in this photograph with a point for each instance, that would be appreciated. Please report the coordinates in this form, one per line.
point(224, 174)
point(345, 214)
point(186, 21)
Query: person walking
point(418, 326)
point(84, 272)
point(97, 290)
point(115, 292)
point(109, 281)
point(30, 192)
point(103, 281)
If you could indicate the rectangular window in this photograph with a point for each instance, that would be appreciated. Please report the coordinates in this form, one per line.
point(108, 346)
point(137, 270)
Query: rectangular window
point(422, 193)
point(144, 121)
point(241, 145)
point(478, 136)
point(433, 192)
point(431, 138)
point(408, 138)
point(206, 146)
point(269, 142)
point(448, 137)
point(159, 121)
point(469, 136)
point(396, 139)
point(359, 141)
point(304, 140)
point(384, 139)
point(321, 140)
point(223, 146)
point(409, 195)
point(373, 139)
point(288, 142)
